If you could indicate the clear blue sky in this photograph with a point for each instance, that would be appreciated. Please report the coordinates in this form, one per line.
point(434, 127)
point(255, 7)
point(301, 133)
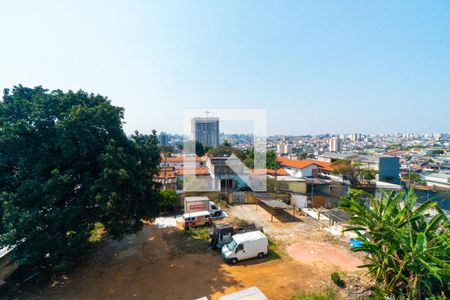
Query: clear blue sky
point(316, 66)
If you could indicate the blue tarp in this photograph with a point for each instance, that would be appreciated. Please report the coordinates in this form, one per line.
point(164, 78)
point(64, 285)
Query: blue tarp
point(354, 243)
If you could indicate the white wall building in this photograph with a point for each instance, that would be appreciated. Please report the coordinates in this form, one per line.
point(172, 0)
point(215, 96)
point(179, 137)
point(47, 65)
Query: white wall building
point(284, 148)
point(438, 179)
point(355, 137)
point(335, 144)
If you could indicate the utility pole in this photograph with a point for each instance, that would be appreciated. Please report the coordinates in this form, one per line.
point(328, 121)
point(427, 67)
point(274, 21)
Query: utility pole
point(277, 166)
point(165, 170)
point(409, 177)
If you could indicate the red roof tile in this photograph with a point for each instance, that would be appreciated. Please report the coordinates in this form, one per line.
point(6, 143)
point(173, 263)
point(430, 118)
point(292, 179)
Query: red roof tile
point(301, 164)
point(181, 159)
point(193, 171)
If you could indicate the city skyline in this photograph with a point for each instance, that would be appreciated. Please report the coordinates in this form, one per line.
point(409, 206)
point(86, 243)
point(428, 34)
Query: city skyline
point(315, 67)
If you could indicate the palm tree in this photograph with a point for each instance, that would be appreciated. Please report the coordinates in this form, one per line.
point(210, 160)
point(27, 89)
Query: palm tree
point(407, 251)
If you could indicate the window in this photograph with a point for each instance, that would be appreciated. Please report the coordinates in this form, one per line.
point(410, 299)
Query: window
point(232, 245)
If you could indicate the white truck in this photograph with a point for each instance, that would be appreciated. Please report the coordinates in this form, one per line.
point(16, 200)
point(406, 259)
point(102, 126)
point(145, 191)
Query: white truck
point(201, 203)
point(244, 246)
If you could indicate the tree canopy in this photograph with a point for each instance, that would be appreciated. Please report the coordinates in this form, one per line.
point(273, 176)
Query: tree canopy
point(192, 147)
point(354, 172)
point(66, 164)
point(226, 150)
point(414, 177)
point(271, 159)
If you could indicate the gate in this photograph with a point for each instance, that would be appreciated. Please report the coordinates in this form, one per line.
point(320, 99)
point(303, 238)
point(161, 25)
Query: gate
point(238, 197)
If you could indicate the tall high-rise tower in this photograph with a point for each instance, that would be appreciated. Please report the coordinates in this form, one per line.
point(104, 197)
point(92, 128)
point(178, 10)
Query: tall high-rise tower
point(206, 131)
point(335, 144)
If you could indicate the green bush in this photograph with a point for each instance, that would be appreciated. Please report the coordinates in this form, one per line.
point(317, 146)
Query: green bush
point(336, 278)
point(168, 201)
point(201, 233)
point(406, 250)
point(273, 249)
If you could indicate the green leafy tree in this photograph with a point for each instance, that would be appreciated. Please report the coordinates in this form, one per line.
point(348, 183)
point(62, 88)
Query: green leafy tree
point(168, 200)
point(407, 251)
point(302, 155)
point(226, 150)
point(271, 159)
point(67, 164)
point(168, 150)
point(414, 177)
point(369, 174)
point(354, 172)
point(190, 145)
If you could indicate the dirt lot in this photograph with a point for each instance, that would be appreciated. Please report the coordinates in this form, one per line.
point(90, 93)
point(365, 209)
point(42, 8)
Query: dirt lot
point(302, 238)
point(147, 265)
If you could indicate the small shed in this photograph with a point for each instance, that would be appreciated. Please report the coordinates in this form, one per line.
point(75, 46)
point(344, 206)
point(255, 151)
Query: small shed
point(275, 204)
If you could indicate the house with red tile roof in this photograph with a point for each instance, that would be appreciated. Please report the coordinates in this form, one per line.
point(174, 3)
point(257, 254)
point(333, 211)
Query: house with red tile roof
point(183, 161)
point(304, 168)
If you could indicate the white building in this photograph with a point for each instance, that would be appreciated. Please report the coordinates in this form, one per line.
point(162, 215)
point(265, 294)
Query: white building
point(355, 137)
point(437, 136)
point(335, 144)
point(438, 179)
point(284, 148)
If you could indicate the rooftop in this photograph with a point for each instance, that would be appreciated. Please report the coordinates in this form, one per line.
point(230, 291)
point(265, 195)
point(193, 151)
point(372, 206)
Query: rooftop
point(279, 172)
point(193, 171)
point(301, 164)
point(196, 198)
point(248, 236)
point(181, 159)
point(352, 156)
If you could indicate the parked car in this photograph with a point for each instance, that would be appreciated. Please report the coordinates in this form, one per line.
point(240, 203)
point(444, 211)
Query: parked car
point(245, 246)
point(198, 218)
point(244, 189)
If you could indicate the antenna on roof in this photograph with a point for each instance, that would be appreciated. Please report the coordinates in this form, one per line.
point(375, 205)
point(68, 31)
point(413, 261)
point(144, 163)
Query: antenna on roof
point(208, 113)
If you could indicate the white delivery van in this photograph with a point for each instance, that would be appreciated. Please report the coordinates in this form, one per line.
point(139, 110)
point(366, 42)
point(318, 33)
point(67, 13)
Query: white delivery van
point(201, 203)
point(244, 246)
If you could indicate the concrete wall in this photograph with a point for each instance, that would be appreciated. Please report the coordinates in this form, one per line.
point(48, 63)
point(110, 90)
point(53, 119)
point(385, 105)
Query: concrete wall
point(213, 196)
point(292, 186)
point(299, 173)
